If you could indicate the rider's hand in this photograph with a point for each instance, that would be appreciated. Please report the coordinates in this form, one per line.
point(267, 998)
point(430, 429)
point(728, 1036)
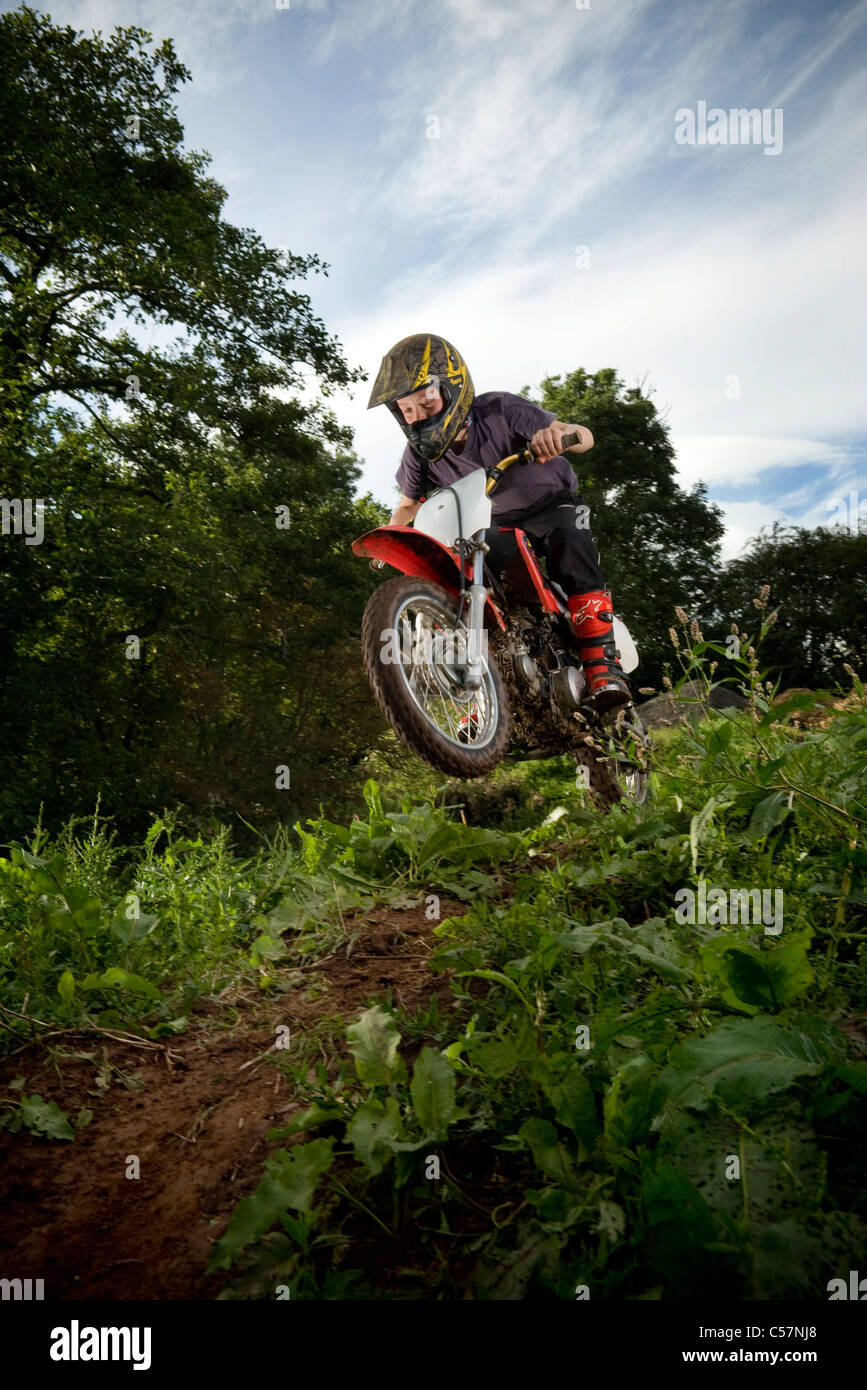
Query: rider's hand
point(547, 443)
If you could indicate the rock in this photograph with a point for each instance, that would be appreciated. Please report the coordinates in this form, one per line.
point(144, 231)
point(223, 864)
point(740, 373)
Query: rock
point(658, 714)
point(822, 713)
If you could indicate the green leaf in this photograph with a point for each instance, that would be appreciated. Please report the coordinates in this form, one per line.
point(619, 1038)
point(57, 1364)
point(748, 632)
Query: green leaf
point(290, 1183)
point(574, 1103)
point(681, 1227)
point(719, 736)
point(755, 980)
point(310, 1118)
point(670, 1197)
point(654, 946)
point(539, 1253)
point(785, 1259)
point(768, 814)
point(497, 977)
point(373, 1124)
point(78, 904)
point(251, 1218)
point(373, 799)
point(496, 1057)
point(299, 1171)
point(433, 1093)
point(780, 1165)
point(549, 1155)
point(45, 1117)
point(697, 827)
point(854, 1074)
point(66, 987)
point(121, 979)
point(743, 1060)
point(169, 1029)
point(266, 948)
point(373, 1042)
point(582, 938)
point(130, 929)
point(629, 1103)
point(778, 713)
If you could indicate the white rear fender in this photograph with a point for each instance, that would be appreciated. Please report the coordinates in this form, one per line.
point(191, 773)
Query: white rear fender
point(625, 646)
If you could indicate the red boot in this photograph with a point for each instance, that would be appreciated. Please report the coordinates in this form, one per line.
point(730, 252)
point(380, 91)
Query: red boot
point(468, 726)
point(592, 616)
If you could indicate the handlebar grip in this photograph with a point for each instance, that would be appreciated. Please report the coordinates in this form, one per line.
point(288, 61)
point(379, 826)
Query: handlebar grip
point(569, 439)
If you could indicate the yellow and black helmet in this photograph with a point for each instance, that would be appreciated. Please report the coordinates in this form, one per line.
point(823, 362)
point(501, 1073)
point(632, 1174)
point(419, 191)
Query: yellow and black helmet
point(426, 360)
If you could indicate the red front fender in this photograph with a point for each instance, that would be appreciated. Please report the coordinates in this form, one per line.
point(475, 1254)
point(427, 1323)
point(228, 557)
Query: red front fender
point(412, 552)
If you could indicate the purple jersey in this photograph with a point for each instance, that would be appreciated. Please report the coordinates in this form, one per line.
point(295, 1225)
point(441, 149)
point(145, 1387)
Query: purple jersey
point(499, 424)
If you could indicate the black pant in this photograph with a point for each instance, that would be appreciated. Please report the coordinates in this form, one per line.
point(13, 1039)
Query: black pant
point(561, 530)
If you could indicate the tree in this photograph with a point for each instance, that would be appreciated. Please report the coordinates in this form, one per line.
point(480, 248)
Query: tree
point(818, 582)
point(659, 545)
point(156, 651)
point(104, 213)
point(169, 638)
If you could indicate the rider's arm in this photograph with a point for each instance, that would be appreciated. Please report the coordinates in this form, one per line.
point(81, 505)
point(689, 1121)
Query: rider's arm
point(405, 510)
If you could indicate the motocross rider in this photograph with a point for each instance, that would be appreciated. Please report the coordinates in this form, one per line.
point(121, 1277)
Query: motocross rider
point(425, 383)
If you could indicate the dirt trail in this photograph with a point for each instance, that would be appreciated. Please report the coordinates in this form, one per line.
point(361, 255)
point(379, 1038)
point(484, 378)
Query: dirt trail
point(197, 1123)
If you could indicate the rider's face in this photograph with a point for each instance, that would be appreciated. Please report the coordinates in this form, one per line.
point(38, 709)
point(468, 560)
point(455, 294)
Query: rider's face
point(420, 405)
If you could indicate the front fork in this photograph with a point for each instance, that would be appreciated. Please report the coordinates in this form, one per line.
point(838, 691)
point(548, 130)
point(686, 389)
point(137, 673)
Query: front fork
point(473, 602)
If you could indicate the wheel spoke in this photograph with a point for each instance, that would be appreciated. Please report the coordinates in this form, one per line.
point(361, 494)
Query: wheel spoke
point(437, 651)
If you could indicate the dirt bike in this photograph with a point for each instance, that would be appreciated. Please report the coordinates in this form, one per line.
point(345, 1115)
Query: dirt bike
point(469, 665)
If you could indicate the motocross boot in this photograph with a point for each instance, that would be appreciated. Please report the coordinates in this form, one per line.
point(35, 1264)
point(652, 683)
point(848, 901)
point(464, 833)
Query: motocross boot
point(592, 617)
point(467, 726)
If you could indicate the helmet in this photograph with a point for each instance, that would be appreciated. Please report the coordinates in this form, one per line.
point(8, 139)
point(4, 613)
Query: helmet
point(421, 360)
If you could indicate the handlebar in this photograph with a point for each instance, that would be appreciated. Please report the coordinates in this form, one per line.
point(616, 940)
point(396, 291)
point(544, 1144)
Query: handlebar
point(525, 456)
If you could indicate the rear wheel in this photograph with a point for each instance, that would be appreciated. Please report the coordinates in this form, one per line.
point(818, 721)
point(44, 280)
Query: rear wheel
point(614, 758)
point(415, 654)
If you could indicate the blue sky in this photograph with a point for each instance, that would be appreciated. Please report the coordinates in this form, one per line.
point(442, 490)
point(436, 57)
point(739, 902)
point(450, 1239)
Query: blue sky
point(732, 279)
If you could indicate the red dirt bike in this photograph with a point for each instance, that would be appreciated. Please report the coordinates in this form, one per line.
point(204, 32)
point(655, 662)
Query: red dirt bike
point(468, 665)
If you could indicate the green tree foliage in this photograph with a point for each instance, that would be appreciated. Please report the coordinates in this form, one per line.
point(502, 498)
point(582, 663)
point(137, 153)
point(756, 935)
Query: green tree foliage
point(105, 214)
point(187, 504)
point(659, 544)
point(818, 582)
point(183, 648)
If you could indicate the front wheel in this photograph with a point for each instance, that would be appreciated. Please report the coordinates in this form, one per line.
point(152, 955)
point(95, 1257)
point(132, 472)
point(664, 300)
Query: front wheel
point(415, 652)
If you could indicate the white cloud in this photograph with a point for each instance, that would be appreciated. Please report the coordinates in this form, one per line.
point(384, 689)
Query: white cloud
point(213, 38)
point(744, 520)
point(536, 115)
point(840, 35)
point(729, 459)
point(348, 26)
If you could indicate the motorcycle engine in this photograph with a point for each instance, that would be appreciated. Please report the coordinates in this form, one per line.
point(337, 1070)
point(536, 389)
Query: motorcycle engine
point(565, 685)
